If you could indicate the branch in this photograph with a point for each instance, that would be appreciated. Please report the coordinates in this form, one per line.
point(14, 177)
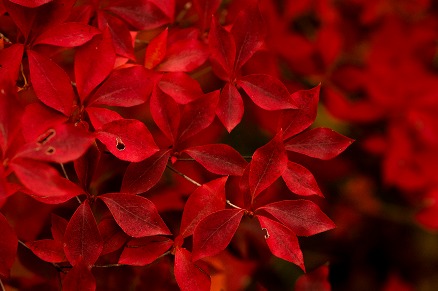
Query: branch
point(184, 176)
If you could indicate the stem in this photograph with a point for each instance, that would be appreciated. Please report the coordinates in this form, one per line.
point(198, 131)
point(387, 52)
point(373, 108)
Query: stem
point(184, 176)
point(108, 266)
point(233, 205)
point(66, 176)
point(2, 286)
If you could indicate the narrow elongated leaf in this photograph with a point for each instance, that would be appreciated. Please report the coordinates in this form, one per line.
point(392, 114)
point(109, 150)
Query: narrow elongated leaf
point(267, 165)
point(300, 180)
point(230, 107)
point(165, 113)
point(143, 251)
point(156, 50)
point(51, 83)
point(205, 200)
point(282, 242)
point(181, 87)
point(79, 278)
point(142, 176)
point(31, 3)
point(69, 34)
point(8, 247)
point(222, 49)
point(321, 143)
point(267, 92)
point(62, 143)
point(128, 139)
point(93, 63)
point(297, 120)
point(213, 234)
point(82, 240)
point(44, 181)
point(188, 275)
point(198, 115)
point(124, 87)
point(303, 217)
point(136, 215)
point(48, 250)
point(184, 56)
point(220, 159)
point(249, 33)
point(59, 225)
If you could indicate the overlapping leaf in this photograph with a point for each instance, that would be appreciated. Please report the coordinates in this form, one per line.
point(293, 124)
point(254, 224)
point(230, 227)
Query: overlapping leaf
point(8, 247)
point(187, 274)
point(143, 251)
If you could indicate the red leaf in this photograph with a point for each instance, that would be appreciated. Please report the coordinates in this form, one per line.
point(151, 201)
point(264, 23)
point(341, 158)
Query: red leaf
point(295, 121)
point(249, 33)
point(184, 56)
point(79, 278)
point(198, 115)
point(93, 63)
point(8, 247)
point(121, 36)
point(44, 181)
point(267, 92)
point(230, 108)
point(10, 60)
point(69, 34)
point(62, 143)
point(181, 87)
point(143, 251)
point(31, 3)
point(128, 139)
point(316, 280)
point(112, 236)
point(282, 242)
point(205, 200)
point(267, 165)
point(82, 241)
point(51, 83)
point(10, 113)
point(213, 234)
point(59, 225)
point(321, 143)
point(165, 113)
point(141, 14)
point(156, 50)
point(205, 10)
point(300, 180)
point(303, 217)
point(124, 87)
point(136, 215)
point(142, 176)
point(86, 166)
point(219, 159)
point(222, 50)
point(188, 275)
point(100, 116)
point(48, 250)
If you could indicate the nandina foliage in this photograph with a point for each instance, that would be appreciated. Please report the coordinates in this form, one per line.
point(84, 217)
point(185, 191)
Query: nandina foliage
point(120, 122)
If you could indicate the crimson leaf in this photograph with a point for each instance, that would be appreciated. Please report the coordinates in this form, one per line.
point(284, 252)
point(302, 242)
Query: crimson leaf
point(214, 232)
point(82, 240)
point(69, 34)
point(220, 159)
point(8, 247)
point(303, 217)
point(165, 113)
point(51, 83)
point(184, 56)
point(267, 92)
point(181, 87)
point(136, 215)
point(267, 165)
point(282, 242)
point(128, 139)
point(222, 50)
point(143, 251)
point(300, 180)
point(230, 107)
point(142, 176)
point(79, 278)
point(188, 275)
point(205, 200)
point(321, 143)
point(48, 250)
point(156, 50)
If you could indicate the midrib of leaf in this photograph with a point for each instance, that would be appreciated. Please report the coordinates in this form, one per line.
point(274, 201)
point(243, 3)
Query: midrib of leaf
point(264, 173)
point(139, 177)
point(132, 213)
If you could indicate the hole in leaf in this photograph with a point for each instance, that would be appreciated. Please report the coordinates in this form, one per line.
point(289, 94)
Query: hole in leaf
point(119, 144)
point(267, 233)
point(45, 137)
point(50, 150)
